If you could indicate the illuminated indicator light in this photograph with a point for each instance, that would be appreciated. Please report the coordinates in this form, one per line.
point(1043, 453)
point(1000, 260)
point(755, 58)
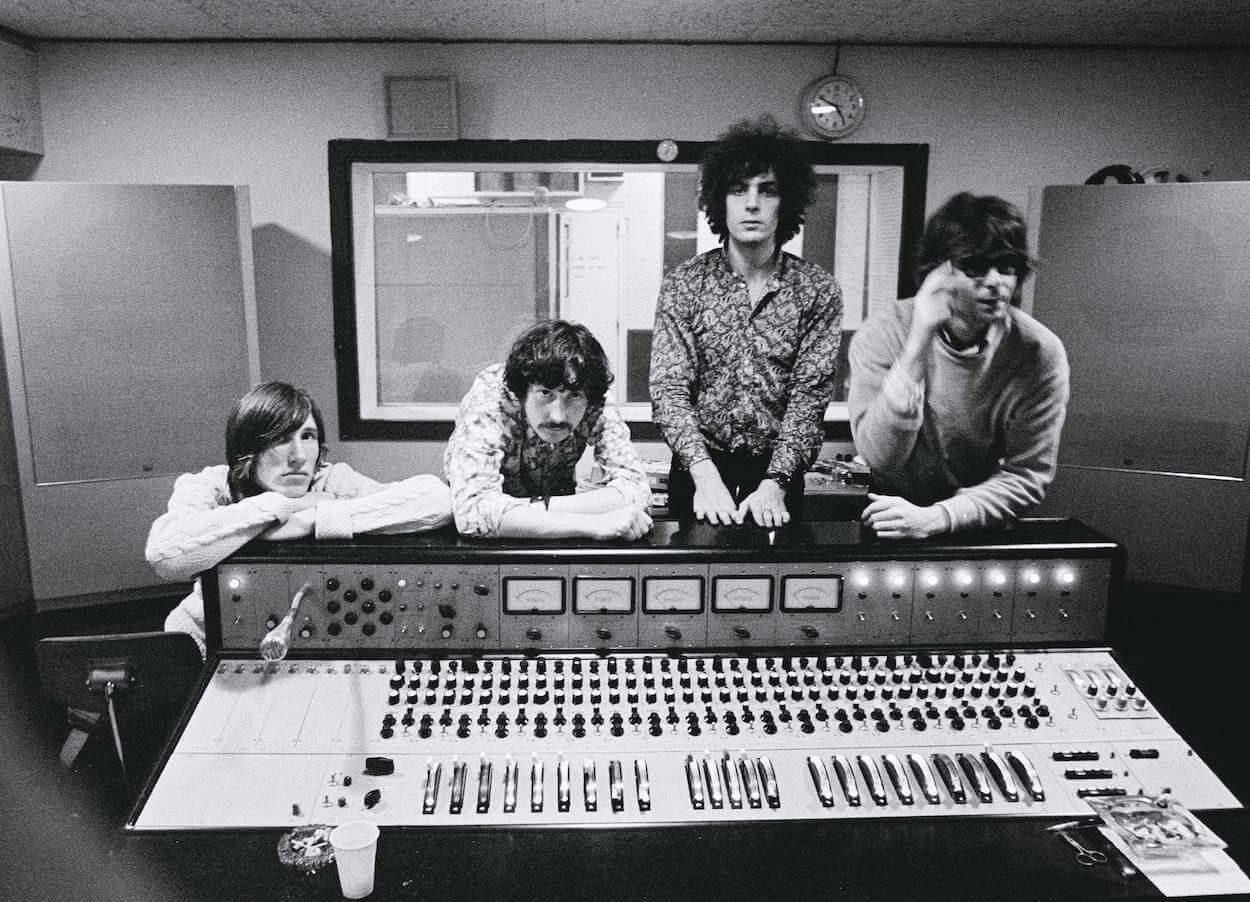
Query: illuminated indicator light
point(964, 577)
point(930, 579)
point(1032, 577)
point(235, 583)
point(897, 579)
point(861, 579)
point(401, 583)
point(1067, 577)
point(998, 578)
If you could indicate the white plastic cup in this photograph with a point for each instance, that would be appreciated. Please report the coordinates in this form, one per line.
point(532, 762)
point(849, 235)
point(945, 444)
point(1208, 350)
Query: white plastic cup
point(355, 850)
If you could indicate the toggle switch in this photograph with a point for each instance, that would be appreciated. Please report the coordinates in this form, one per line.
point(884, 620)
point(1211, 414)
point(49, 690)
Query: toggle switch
point(898, 777)
point(733, 786)
point(564, 793)
point(536, 784)
point(872, 776)
point(484, 771)
point(750, 780)
point(715, 792)
point(924, 776)
point(820, 779)
point(590, 785)
point(846, 777)
point(694, 782)
point(642, 783)
point(459, 771)
point(510, 779)
point(433, 775)
point(950, 776)
point(616, 786)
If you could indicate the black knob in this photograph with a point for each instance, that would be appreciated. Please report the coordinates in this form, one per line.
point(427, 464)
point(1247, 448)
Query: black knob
point(603, 633)
point(481, 589)
point(809, 632)
point(333, 607)
point(446, 610)
point(533, 634)
point(367, 606)
point(673, 633)
point(742, 632)
point(385, 595)
point(349, 594)
point(334, 628)
point(386, 617)
point(332, 584)
point(368, 628)
point(350, 618)
point(366, 584)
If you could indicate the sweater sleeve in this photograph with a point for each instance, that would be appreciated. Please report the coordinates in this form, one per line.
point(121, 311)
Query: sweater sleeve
point(886, 406)
point(1030, 454)
point(201, 528)
point(355, 504)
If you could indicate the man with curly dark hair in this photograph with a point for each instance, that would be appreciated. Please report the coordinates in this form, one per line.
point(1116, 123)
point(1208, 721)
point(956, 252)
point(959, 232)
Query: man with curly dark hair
point(746, 339)
point(520, 432)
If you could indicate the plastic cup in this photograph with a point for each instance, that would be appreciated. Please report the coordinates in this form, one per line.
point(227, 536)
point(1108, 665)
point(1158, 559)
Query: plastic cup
point(355, 850)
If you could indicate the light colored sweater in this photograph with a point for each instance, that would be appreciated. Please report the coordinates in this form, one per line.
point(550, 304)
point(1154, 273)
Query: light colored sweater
point(979, 435)
point(202, 527)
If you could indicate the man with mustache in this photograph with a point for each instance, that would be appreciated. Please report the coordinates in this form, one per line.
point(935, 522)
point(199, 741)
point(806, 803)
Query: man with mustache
point(957, 397)
point(519, 433)
point(746, 339)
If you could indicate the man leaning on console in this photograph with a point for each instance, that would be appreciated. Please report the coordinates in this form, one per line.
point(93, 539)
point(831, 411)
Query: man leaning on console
point(957, 400)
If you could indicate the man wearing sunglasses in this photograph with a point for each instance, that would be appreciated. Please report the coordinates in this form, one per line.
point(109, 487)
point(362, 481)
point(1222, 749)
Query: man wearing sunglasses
point(957, 397)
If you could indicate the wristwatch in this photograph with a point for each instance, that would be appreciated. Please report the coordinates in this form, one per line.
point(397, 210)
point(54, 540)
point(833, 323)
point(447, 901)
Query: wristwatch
point(782, 479)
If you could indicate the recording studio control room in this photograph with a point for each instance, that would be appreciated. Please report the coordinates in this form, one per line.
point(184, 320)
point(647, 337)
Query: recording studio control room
point(562, 449)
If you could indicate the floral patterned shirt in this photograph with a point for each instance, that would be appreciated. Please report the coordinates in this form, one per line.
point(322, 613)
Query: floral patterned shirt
point(738, 377)
point(495, 461)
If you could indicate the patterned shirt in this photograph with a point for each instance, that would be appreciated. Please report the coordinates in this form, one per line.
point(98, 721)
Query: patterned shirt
point(738, 377)
point(495, 461)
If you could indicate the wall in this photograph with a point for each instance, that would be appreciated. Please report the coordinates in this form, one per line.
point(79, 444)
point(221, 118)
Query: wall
point(997, 120)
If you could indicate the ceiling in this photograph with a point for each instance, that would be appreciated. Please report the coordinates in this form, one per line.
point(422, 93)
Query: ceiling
point(1050, 22)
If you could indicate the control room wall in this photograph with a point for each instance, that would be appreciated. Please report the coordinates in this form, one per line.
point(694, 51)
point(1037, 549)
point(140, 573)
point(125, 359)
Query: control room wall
point(997, 120)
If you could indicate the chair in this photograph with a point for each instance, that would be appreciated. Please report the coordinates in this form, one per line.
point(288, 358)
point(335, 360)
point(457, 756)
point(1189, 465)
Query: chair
point(129, 684)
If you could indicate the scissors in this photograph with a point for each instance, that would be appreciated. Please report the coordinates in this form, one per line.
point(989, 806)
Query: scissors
point(1084, 857)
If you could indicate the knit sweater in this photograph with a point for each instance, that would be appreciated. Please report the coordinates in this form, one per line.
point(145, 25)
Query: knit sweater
point(202, 526)
point(979, 435)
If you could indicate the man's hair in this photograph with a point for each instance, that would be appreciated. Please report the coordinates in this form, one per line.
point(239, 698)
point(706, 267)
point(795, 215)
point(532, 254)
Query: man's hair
point(263, 417)
point(749, 149)
point(555, 353)
point(974, 226)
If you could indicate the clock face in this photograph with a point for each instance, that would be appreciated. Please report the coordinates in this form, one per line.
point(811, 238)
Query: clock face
point(832, 106)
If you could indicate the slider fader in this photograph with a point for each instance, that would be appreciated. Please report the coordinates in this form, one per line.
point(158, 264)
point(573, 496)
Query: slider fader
point(687, 680)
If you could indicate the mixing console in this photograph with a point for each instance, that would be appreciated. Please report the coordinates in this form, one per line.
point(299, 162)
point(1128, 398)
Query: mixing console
point(634, 738)
point(702, 675)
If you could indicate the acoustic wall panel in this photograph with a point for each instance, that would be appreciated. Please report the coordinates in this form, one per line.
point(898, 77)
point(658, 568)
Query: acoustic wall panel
point(129, 329)
point(1147, 286)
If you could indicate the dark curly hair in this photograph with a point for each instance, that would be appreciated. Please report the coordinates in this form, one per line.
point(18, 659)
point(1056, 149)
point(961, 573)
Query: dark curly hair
point(975, 226)
point(555, 353)
point(749, 149)
point(263, 417)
